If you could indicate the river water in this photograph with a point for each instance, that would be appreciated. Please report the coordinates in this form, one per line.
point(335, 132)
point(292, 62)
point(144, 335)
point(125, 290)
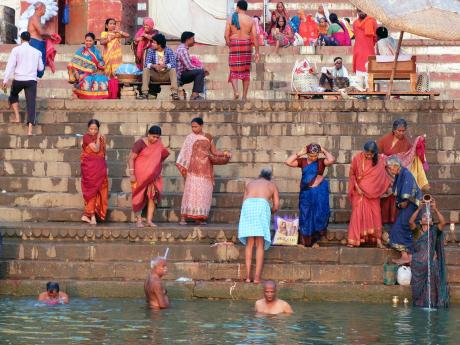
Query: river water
point(129, 322)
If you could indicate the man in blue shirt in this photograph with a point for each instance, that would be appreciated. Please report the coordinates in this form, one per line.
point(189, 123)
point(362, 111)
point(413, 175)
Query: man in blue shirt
point(160, 66)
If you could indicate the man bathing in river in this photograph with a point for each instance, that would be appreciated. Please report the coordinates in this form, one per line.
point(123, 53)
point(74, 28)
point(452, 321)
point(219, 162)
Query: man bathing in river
point(155, 293)
point(270, 304)
point(37, 33)
point(52, 295)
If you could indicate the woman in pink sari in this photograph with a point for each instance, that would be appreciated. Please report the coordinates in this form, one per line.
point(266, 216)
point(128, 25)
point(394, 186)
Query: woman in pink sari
point(143, 40)
point(195, 163)
point(94, 183)
point(368, 181)
point(145, 163)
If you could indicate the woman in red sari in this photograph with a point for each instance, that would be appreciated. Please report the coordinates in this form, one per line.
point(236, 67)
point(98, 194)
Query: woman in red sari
point(94, 183)
point(195, 163)
point(368, 181)
point(145, 163)
point(396, 143)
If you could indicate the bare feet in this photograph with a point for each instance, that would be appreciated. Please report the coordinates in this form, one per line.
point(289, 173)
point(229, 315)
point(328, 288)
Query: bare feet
point(236, 96)
point(151, 225)
point(93, 220)
point(380, 245)
point(350, 246)
point(139, 224)
point(86, 219)
point(30, 130)
point(316, 245)
point(182, 222)
point(256, 281)
point(248, 280)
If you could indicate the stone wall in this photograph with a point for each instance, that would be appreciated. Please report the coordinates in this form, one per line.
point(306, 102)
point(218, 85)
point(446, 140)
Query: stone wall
point(8, 31)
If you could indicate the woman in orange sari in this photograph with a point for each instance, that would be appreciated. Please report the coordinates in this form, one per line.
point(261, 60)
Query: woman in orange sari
point(94, 183)
point(145, 164)
point(368, 181)
point(412, 157)
point(111, 40)
point(195, 163)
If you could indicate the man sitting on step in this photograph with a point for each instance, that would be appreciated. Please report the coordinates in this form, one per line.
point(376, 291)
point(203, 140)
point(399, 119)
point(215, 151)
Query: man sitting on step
point(160, 66)
point(155, 293)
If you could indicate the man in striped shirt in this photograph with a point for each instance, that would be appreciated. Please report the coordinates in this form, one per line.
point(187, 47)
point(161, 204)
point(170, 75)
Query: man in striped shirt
point(160, 66)
point(186, 70)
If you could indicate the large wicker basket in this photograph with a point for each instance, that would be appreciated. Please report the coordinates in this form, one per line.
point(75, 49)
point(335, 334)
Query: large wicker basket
point(129, 78)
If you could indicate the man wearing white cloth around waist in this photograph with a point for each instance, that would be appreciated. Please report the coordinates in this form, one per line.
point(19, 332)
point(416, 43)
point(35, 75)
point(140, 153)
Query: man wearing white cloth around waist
point(256, 213)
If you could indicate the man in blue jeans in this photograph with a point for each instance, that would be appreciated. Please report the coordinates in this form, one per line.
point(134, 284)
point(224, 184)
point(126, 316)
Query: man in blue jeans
point(186, 71)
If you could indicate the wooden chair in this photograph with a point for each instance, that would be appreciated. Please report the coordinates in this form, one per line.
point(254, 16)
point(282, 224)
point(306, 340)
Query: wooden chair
point(405, 70)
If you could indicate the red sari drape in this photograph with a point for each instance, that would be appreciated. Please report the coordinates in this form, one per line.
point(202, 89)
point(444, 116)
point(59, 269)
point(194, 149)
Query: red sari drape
point(147, 168)
point(385, 145)
point(366, 222)
point(94, 182)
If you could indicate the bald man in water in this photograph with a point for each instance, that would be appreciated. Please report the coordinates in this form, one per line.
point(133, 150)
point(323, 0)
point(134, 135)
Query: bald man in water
point(270, 304)
point(155, 293)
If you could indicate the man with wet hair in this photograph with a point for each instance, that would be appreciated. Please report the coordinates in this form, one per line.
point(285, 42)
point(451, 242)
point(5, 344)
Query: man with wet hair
point(53, 295)
point(155, 293)
point(254, 226)
point(271, 304)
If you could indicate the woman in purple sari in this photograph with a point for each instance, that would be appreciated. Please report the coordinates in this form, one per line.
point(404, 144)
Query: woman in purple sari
point(429, 250)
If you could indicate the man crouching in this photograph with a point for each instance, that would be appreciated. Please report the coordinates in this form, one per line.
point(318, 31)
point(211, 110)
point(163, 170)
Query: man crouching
point(155, 293)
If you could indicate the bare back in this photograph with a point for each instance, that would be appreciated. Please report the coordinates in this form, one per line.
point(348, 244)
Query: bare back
point(260, 188)
point(246, 27)
point(152, 286)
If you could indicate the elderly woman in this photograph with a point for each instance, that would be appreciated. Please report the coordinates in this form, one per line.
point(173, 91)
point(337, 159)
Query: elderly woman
point(368, 181)
point(408, 197)
point(143, 40)
point(85, 71)
point(145, 164)
point(429, 251)
point(314, 192)
point(412, 157)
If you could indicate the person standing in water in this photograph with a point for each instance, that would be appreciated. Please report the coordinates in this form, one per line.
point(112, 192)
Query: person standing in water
point(254, 226)
point(155, 293)
point(271, 304)
point(52, 295)
point(240, 33)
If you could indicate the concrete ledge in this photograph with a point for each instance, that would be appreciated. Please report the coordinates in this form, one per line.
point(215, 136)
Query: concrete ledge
point(219, 290)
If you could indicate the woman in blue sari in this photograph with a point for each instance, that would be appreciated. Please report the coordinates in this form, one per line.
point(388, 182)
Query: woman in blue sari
point(429, 248)
point(408, 197)
point(86, 71)
point(314, 192)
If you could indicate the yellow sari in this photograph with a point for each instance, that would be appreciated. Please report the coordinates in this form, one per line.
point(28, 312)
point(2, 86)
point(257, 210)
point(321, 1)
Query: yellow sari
point(112, 53)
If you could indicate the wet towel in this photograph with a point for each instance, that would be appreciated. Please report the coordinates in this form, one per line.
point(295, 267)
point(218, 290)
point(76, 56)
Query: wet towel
point(51, 51)
point(41, 46)
point(255, 220)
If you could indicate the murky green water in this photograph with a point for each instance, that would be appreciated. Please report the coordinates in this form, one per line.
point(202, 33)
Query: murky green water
point(116, 321)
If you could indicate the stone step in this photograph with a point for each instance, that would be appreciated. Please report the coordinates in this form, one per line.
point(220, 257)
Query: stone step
point(450, 108)
point(165, 215)
point(271, 156)
point(234, 171)
point(172, 199)
point(305, 291)
point(317, 273)
point(222, 184)
point(125, 251)
point(218, 252)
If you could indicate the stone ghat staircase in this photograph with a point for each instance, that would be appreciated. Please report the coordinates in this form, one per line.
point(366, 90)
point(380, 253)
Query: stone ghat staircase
point(271, 77)
point(40, 175)
point(112, 261)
